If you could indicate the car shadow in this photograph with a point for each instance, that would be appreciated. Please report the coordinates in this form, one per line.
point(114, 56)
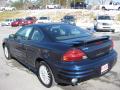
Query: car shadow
point(111, 78)
point(13, 63)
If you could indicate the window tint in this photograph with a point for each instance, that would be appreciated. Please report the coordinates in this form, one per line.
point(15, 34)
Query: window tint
point(24, 32)
point(37, 35)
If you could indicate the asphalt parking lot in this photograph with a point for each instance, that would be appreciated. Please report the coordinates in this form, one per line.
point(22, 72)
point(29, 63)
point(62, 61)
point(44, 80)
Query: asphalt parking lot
point(14, 76)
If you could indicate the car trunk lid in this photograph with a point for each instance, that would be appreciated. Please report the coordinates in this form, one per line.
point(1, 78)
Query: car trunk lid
point(93, 47)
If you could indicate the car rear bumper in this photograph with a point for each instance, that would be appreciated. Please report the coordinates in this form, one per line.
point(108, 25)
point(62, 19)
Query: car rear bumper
point(65, 73)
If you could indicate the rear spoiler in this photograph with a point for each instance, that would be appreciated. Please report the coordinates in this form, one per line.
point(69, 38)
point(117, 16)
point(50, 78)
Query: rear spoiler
point(102, 38)
point(83, 42)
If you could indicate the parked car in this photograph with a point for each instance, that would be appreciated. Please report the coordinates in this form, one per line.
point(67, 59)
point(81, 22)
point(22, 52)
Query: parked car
point(69, 19)
point(61, 53)
point(30, 20)
point(43, 20)
point(53, 6)
point(2, 8)
point(110, 6)
point(104, 23)
point(7, 8)
point(19, 22)
point(78, 5)
point(7, 22)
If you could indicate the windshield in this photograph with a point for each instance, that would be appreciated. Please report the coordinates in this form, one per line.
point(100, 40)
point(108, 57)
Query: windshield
point(8, 20)
point(104, 18)
point(63, 32)
point(68, 17)
point(43, 18)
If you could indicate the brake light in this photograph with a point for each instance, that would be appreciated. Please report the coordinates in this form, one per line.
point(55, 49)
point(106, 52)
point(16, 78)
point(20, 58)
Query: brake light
point(74, 55)
point(29, 22)
point(16, 22)
point(112, 45)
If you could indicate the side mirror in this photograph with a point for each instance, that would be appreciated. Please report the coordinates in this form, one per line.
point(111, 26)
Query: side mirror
point(11, 36)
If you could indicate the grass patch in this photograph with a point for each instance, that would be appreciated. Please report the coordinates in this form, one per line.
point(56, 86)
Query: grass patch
point(8, 14)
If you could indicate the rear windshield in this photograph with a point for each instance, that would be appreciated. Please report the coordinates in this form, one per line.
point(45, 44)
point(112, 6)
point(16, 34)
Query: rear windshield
point(64, 32)
point(29, 18)
point(104, 18)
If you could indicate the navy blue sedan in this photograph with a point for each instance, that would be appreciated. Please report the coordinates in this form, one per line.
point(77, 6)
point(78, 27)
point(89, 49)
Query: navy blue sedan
point(61, 53)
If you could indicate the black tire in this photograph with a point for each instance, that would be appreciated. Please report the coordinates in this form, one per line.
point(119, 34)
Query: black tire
point(7, 52)
point(119, 9)
point(103, 8)
point(95, 28)
point(51, 78)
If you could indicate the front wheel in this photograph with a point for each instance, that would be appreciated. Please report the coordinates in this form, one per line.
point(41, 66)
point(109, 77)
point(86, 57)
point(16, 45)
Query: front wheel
point(45, 75)
point(103, 8)
point(119, 9)
point(6, 52)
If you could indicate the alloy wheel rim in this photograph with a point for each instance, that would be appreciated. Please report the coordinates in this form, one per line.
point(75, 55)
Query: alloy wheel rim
point(6, 52)
point(44, 74)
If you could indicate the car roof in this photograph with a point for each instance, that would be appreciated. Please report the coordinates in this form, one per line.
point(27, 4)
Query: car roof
point(47, 24)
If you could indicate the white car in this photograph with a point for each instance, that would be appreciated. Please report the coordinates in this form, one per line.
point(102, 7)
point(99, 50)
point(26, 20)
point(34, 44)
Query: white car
point(53, 6)
point(104, 23)
point(111, 6)
point(7, 22)
point(2, 8)
point(7, 8)
point(43, 20)
point(10, 8)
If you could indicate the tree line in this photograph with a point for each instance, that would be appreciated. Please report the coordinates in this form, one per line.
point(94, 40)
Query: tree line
point(24, 4)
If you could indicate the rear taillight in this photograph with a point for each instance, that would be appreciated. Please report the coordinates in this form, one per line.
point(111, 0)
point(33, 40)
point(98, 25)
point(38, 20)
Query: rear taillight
point(112, 45)
point(29, 22)
point(74, 55)
point(16, 22)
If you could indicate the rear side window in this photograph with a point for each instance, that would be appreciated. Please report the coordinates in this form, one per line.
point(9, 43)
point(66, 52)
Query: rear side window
point(24, 32)
point(37, 35)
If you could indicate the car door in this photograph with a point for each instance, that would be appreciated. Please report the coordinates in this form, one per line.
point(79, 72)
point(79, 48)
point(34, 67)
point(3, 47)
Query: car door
point(21, 37)
point(33, 46)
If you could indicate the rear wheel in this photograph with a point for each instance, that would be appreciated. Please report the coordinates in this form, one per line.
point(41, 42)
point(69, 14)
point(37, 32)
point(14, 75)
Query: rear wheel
point(6, 52)
point(45, 75)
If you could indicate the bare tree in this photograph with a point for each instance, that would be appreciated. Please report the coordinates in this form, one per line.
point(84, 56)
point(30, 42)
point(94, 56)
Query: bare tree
point(102, 1)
